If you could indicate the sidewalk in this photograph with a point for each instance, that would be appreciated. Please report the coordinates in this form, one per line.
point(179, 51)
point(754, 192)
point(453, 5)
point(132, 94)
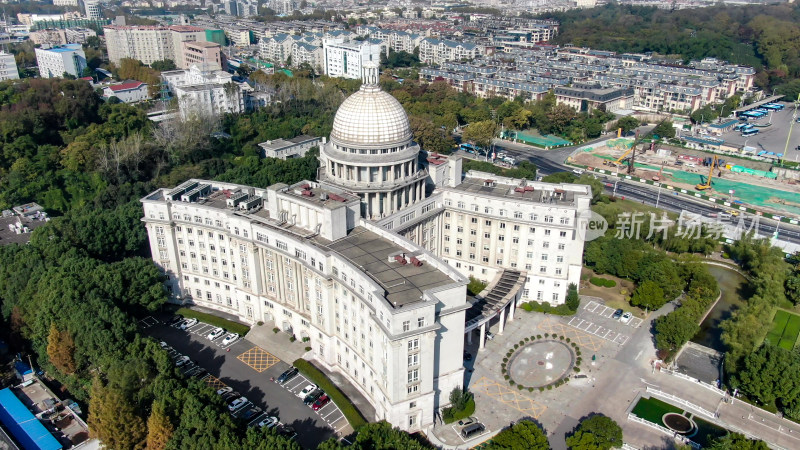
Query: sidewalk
point(276, 343)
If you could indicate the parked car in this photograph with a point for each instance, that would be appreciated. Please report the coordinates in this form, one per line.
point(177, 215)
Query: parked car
point(238, 403)
point(467, 356)
point(307, 390)
point(175, 320)
point(181, 361)
point(467, 421)
point(287, 375)
point(617, 314)
point(626, 317)
point(215, 333)
point(322, 401)
point(286, 431)
point(200, 373)
point(489, 335)
point(163, 344)
point(188, 323)
point(313, 396)
point(248, 413)
point(224, 390)
point(231, 396)
point(269, 422)
point(230, 338)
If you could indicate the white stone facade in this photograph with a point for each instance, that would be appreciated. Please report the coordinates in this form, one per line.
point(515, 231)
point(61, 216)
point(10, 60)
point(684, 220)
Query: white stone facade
point(8, 67)
point(149, 43)
point(56, 61)
point(347, 59)
point(209, 93)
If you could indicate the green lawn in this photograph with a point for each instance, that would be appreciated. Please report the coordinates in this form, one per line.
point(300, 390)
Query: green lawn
point(228, 325)
point(785, 330)
point(653, 409)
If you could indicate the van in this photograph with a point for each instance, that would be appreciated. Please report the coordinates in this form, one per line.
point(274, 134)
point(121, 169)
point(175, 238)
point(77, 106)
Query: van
point(578, 171)
point(471, 430)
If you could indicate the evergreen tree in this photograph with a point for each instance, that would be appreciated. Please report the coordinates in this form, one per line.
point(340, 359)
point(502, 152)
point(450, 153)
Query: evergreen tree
point(159, 428)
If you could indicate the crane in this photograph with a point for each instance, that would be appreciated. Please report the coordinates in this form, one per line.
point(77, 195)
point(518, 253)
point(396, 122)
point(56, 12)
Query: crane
point(707, 184)
point(632, 150)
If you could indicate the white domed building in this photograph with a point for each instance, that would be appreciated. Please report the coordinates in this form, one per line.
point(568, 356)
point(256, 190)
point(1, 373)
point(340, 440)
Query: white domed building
point(369, 263)
point(371, 151)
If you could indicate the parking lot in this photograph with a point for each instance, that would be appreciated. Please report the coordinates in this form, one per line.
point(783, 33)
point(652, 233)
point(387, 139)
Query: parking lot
point(773, 137)
point(250, 371)
point(598, 320)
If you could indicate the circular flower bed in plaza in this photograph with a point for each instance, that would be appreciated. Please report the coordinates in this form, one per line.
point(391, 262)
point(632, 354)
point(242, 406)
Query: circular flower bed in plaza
point(541, 362)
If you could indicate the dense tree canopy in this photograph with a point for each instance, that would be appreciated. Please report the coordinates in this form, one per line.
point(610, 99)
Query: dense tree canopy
point(524, 435)
point(596, 432)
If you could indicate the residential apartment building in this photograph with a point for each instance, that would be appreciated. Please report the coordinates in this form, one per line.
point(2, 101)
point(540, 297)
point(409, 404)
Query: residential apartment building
point(206, 55)
point(346, 60)
point(436, 51)
point(295, 147)
point(92, 9)
point(128, 92)
point(588, 98)
point(303, 53)
point(149, 43)
point(56, 61)
point(205, 92)
point(370, 261)
point(8, 67)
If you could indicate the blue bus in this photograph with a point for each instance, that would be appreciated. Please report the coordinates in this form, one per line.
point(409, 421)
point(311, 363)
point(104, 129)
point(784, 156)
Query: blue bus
point(772, 107)
point(469, 148)
point(747, 133)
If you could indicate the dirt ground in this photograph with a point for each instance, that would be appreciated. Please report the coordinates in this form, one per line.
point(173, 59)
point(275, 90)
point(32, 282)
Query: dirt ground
point(612, 296)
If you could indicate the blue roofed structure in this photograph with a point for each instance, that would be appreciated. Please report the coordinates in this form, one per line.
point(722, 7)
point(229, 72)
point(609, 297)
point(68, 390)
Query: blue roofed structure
point(23, 425)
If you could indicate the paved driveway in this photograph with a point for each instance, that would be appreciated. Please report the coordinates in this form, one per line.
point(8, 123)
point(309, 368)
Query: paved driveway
point(248, 369)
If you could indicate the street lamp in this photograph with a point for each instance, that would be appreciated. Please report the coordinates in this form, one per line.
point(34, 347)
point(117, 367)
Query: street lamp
point(658, 197)
point(719, 119)
point(614, 194)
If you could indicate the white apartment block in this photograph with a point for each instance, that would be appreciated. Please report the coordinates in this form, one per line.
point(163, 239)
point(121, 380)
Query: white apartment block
point(65, 2)
point(347, 59)
point(205, 92)
point(277, 48)
point(149, 43)
point(92, 9)
point(8, 67)
point(308, 54)
point(56, 61)
point(435, 51)
point(370, 261)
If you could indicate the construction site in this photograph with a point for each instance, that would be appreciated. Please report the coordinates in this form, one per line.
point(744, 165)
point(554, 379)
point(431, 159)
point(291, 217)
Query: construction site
point(739, 180)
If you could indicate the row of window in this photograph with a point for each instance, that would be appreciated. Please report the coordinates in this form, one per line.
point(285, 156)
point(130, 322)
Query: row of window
point(534, 217)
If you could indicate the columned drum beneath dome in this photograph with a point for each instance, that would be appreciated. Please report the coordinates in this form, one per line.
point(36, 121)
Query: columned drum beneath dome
point(371, 152)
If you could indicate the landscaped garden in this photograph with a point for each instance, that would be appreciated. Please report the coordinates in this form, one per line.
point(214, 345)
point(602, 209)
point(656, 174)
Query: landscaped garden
point(541, 362)
point(682, 422)
point(785, 330)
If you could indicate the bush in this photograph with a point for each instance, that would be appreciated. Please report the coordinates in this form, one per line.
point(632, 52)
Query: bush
point(520, 387)
point(527, 339)
point(527, 307)
point(541, 389)
point(450, 415)
point(516, 346)
point(475, 286)
point(292, 338)
point(602, 282)
point(505, 360)
point(506, 377)
point(538, 336)
point(560, 310)
point(306, 339)
point(549, 387)
point(576, 369)
point(567, 339)
point(276, 329)
point(530, 389)
point(511, 382)
point(316, 376)
point(546, 335)
point(308, 349)
point(231, 326)
point(259, 323)
point(522, 342)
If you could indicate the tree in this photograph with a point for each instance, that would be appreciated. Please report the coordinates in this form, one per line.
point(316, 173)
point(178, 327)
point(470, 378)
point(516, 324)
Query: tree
point(481, 133)
point(524, 435)
point(573, 299)
point(61, 350)
point(159, 428)
point(560, 177)
point(674, 329)
point(737, 441)
point(648, 294)
point(597, 432)
point(379, 435)
point(560, 116)
point(664, 129)
point(164, 65)
point(113, 419)
point(627, 124)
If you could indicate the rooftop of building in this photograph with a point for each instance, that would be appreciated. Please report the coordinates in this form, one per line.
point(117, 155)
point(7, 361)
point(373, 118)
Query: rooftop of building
point(277, 144)
point(62, 48)
point(201, 44)
point(486, 184)
point(13, 225)
point(128, 85)
point(404, 283)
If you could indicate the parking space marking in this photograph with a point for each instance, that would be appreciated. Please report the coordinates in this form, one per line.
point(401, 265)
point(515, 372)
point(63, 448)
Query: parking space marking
point(258, 359)
point(580, 337)
point(214, 382)
point(591, 305)
point(636, 322)
point(602, 332)
point(148, 322)
point(514, 399)
point(340, 417)
point(202, 330)
point(303, 380)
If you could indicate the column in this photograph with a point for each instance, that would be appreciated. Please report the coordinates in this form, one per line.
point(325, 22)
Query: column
point(502, 320)
point(511, 307)
point(483, 336)
point(469, 337)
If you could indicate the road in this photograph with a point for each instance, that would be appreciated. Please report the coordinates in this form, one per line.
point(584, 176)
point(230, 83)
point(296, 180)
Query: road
point(552, 161)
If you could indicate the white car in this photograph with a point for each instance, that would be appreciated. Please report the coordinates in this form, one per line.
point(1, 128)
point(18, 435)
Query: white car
point(163, 344)
point(230, 338)
point(224, 390)
point(181, 361)
point(238, 403)
point(268, 422)
point(626, 317)
point(188, 323)
point(215, 333)
point(307, 390)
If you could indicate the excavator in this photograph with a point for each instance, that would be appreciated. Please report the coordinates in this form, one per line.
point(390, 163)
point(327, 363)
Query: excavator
point(707, 184)
point(632, 150)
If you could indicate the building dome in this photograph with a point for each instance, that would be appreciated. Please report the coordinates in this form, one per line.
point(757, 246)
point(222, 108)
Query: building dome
point(371, 118)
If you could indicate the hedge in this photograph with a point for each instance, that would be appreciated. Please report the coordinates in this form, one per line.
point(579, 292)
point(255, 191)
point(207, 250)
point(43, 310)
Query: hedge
point(342, 402)
point(228, 325)
point(603, 282)
point(449, 416)
point(544, 307)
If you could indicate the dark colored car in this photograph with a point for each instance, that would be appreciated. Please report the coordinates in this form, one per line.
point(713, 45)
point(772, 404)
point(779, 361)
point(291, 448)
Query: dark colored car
point(175, 320)
point(287, 375)
point(313, 396)
point(467, 356)
point(617, 314)
point(322, 401)
point(287, 431)
point(231, 396)
point(250, 413)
